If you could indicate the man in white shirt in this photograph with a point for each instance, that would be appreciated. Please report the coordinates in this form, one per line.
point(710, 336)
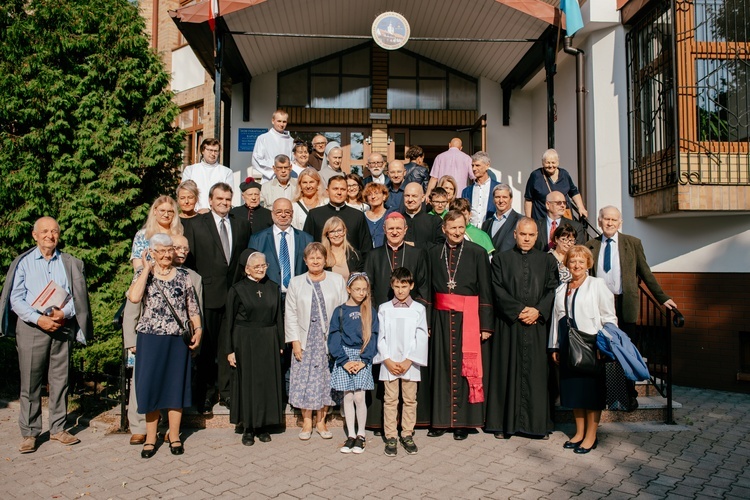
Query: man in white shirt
point(480, 192)
point(276, 141)
point(207, 172)
point(282, 185)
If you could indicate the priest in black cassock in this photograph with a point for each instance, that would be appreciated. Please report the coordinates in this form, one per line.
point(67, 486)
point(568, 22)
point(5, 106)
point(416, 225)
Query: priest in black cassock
point(462, 321)
point(356, 225)
point(253, 341)
point(524, 280)
point(423, 230)
point(259, 217)
point(379, 265)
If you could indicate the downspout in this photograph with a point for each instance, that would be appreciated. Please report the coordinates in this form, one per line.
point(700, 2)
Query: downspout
point(155, 24)
point(580, 114)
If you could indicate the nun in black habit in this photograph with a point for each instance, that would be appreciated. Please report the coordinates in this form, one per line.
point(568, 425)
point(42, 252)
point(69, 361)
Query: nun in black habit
point(253, 341)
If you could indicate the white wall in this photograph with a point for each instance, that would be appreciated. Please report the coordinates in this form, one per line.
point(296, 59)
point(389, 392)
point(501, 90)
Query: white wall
point(262, 106)
point(187, 71)
point(720, 243)
point(508, 147)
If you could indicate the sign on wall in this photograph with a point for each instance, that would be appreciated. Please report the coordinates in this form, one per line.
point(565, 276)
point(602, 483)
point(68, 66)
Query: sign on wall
point(246, 138)
point(390, 30)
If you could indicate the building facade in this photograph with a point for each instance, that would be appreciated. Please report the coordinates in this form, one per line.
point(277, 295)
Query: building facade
point(666, 120)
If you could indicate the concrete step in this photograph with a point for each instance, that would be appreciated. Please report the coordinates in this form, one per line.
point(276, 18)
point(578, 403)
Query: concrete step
point(650, 409)
point(219, 419)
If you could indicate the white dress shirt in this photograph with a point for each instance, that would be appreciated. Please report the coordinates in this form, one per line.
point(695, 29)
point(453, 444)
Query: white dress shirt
point(480, 196)
point(217, 221)
point(289, 243)
point(613, 278)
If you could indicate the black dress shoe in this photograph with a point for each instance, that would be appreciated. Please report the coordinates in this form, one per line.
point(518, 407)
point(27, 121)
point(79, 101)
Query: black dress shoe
point(264, 437)
point(433, 433)
point(570, 445)
point(207, 408)
point(225, 403)
point(248, 439)
point(176, 448)
point(581, 450)
point(377, 432)
point(460, 434)
point(148, 451)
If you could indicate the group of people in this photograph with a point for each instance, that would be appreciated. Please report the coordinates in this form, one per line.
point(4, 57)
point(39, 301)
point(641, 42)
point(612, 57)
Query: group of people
point(371, 294)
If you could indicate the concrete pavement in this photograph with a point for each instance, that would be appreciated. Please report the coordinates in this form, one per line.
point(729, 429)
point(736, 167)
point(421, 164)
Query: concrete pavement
point(706, 455)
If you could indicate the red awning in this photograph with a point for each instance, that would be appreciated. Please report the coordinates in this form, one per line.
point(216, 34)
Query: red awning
point(198, 12)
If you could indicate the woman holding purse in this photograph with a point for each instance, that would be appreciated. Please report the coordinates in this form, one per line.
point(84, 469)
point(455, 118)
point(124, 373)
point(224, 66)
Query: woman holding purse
point(582, 307)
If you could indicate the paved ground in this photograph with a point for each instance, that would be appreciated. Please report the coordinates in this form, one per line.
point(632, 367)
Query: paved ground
point(706, 455)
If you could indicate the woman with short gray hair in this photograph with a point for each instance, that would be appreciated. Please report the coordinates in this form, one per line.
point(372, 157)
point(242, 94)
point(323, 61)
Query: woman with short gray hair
point(162, 373)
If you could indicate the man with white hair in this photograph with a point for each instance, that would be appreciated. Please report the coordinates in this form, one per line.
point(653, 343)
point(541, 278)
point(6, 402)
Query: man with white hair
point(44, 332)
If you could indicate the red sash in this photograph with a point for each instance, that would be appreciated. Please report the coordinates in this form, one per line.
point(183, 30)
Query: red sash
point(471, 367)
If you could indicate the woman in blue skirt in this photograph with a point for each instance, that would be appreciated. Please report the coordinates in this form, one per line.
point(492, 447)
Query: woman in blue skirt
point(162, 373)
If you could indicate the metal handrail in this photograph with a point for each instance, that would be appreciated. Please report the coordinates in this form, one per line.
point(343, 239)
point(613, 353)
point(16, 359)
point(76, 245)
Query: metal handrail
point(658, 325)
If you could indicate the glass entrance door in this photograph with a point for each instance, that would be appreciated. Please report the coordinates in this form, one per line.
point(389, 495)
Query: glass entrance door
point(352, 141)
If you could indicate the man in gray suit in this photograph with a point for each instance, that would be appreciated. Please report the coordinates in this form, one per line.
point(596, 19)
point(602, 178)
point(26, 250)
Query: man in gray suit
point(130, 316)
point(43, 337)
point(502, 223)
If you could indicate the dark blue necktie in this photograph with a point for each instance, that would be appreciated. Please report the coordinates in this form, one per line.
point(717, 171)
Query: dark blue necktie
point(608, 256)
point(286, 270)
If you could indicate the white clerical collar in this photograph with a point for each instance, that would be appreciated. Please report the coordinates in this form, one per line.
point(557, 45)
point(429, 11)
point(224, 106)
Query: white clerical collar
point(337, 208)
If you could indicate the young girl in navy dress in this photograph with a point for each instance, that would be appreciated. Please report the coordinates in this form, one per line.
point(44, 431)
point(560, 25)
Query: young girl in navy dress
point(353, 343)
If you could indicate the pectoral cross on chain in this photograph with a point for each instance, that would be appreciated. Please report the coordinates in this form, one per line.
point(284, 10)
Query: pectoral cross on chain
point(260, 294)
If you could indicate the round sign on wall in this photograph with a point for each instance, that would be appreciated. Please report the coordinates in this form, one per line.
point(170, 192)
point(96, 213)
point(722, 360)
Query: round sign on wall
point(390, 30)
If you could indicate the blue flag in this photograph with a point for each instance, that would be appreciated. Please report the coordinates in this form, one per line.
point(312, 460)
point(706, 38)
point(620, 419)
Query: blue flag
point(573, 19)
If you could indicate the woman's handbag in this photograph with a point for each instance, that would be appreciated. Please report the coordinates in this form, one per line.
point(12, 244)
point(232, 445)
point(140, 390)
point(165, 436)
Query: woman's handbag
point(187, 331)
point(581, 346)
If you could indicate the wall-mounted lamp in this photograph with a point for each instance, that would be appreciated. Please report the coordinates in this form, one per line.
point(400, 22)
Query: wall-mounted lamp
point(368, 140)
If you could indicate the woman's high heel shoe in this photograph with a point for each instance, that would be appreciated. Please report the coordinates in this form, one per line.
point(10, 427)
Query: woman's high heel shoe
point(581, 450)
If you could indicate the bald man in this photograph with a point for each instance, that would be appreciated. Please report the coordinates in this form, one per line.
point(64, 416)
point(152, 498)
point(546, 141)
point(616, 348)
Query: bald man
point(424, 230)
point(44, 334)
point(453, 162)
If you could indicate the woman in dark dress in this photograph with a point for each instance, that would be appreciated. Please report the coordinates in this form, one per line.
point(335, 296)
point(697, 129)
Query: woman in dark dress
point(253, 337)
point(590, 305)
point(162, 373)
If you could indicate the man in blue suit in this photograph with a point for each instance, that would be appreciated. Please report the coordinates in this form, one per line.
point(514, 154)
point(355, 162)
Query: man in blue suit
point(281, 242)
point(479, 194)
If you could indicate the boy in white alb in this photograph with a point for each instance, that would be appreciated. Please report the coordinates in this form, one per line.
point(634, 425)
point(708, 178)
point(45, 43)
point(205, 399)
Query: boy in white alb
point(402, 350)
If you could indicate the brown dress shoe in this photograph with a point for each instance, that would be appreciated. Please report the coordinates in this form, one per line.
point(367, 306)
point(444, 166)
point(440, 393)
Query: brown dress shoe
point(65, 438)
point(137, 439)
point(28, 445)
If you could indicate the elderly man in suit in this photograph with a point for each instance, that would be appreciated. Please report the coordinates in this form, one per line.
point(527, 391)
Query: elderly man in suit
point(502, 222)
point(480, 194)
point(282, 245)
point(130, 316)
point(555, 208)
point(621, 263)
point(43, 337)
point(216, 240)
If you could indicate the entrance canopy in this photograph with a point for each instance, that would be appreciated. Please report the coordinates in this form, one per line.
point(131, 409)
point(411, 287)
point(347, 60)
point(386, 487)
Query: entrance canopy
point(463, 22)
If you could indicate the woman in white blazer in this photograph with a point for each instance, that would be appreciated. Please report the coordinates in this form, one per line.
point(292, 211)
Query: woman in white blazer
point(310, 301)
point(591, 305)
